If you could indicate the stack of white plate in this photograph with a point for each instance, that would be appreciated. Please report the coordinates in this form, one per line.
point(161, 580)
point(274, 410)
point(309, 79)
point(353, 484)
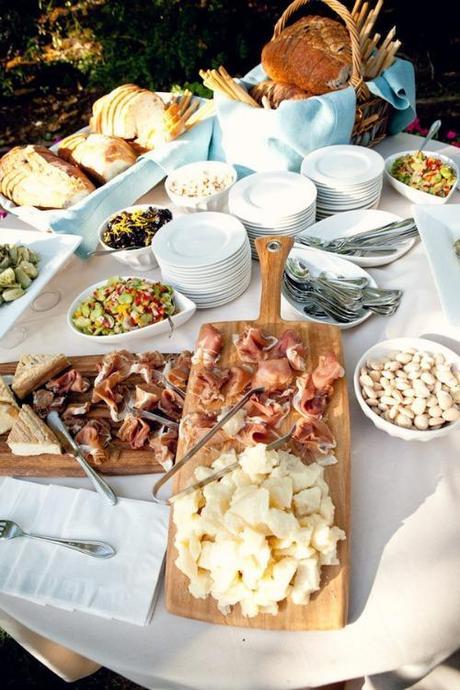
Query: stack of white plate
point(273, 203)
point(205, 256)
point(346, 177)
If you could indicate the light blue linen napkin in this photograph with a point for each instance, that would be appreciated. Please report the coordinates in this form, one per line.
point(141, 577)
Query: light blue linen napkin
point(85, 217)
point(255, 139)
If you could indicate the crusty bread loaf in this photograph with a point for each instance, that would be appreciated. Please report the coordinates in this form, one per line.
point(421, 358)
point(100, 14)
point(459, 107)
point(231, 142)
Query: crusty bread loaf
point(34, 176)
point(314, 54)
point(100, 156)
point(33, 370)
point(276, 92)
point(131, 113)
point(30, 435)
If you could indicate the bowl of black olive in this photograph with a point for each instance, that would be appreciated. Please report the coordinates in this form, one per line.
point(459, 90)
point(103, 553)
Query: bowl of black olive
point(131, 231)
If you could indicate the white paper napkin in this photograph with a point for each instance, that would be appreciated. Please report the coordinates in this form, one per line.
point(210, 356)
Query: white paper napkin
point(122, 587)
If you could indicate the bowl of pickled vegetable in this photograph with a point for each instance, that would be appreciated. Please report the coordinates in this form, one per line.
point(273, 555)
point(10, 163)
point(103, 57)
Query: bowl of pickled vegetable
point(423, 177)
point(133, 229)
point(128, 308)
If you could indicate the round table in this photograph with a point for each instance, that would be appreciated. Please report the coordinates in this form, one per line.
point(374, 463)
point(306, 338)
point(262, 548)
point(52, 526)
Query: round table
point(405, 536)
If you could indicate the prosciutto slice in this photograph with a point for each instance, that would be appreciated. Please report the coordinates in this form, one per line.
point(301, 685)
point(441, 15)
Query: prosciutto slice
point(290, 346)
point(253, 345)
point(209, 383)
point(73, 416)
point(208, 347)
point(119, 362)
point(148, 365)
point(134, 431)
point(171, 404)
point(266, 410)
point(147, 396)
point(327, 371)
point(72, 380)
point(44, 401)
point(106, 391)
point(314, 434)
point(273, 374)
point(195, 425)
point(177, 372)
point(256, 432)
point(163, 445)
point(308, 401)
point(94, 438)
point(239, 379)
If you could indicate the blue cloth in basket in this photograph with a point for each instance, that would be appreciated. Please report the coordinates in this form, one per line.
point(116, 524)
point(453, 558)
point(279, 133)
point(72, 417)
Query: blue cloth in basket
point(85, 217)
point(255, 139)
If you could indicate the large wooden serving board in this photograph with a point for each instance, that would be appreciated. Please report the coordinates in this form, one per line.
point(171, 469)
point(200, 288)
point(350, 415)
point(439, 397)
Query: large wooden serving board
point(122, 459)
point(328, 608)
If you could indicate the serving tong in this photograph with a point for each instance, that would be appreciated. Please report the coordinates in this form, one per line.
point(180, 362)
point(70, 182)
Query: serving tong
point(383, 240)
point(342, 299)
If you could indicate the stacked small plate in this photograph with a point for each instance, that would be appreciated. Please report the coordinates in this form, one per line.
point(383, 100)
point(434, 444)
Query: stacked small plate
point(346, 177)
point(205, 256)
point(273, 203)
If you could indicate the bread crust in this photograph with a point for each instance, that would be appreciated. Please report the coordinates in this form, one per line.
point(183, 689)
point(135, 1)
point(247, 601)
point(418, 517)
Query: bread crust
point(100, 156)
point(277, 92)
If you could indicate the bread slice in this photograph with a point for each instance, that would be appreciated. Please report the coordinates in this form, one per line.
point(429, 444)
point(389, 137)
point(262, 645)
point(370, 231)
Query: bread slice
point(34, 370)
point(9, 409)
point(100, 156)
point(31, 436)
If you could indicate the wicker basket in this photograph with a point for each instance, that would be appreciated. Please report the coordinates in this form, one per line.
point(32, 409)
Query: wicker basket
point(371, 121)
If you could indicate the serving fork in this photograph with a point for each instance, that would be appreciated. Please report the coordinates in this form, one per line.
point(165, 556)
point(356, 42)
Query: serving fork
point(90, 547)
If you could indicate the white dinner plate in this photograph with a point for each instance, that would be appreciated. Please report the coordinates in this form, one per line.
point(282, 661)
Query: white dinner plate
point(345, 189)
point(53, 249)
point(317, 262)
point(198, 239)
point(263, 227)
point(342, 164)
point(348, 205)
point(352, 222)
point(439, 228)
point(206, 271)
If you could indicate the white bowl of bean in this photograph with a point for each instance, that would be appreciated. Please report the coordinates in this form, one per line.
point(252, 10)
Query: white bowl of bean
point(410, 388)
point(201, 186)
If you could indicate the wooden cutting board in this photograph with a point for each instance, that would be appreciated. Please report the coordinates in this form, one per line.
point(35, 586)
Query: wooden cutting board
point(327, 609)
point(122, 460)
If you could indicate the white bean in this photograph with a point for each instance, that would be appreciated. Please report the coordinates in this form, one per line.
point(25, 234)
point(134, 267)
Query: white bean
point(436, 421)
point(413, 375)
point(372, 402)
point(404, 357)
point(432, 401)
point(365, 380)
point(382, 406)
point(388, 400)
point(439, 358)
point(456, 394)
point(435, 411)
point(388, 375)
point(451, 415)
point(428, 378)
point(369, 392)
point(402, 420)
point(418, 406)
point(406, 411)
point(375, 375)
point(421, 391)
point(401, 385)
point(421, 421)
point(445, 400)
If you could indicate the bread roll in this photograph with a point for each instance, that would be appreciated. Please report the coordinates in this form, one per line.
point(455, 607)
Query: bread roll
point(131, 113)
point(34, 176)
point(276, 92)
point(313, 54)
point(100, 156)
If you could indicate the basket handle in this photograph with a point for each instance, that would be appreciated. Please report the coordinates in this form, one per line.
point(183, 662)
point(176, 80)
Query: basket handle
point(356, 79)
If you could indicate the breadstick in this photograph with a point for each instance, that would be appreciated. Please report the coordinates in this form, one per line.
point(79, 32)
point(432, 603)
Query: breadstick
point(362, 16)
point(391, 55)
point(371, 45)
point(355, 10)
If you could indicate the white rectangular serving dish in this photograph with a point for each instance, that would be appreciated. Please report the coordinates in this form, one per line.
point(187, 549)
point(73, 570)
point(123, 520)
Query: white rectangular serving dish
point(54, 250)
point(439, 228)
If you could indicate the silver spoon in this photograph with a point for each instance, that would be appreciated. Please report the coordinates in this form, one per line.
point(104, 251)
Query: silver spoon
point(101, 252)
point(434, 129)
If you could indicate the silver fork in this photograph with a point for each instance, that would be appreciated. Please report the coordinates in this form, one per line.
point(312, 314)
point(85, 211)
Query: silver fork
point(97, 549)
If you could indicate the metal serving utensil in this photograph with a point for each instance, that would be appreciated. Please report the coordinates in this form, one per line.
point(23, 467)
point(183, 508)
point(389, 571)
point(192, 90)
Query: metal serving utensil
point(90, 547)
point(434, 129)
point(229, 468)
point(202, 442)
point(58, 426)
point(101, 252)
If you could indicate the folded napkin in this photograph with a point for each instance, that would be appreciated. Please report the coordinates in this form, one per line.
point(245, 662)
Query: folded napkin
point(122, 587)
point(255, 139)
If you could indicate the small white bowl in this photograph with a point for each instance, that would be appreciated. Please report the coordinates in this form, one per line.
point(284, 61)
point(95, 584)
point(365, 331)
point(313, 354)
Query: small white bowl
point(382, 349)
point(416, 195)
point(186, 308)
point(142, 259)
point(212, 202)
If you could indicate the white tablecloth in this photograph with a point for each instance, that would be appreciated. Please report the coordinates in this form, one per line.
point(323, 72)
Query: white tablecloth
point(405, 541)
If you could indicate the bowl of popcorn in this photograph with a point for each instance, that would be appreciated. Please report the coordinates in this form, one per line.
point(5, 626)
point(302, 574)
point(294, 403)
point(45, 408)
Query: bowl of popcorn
point(202, 186)
point(410, 388)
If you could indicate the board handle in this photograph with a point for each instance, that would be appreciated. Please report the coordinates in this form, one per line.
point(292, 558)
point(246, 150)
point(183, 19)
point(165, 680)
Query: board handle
point(273, 252)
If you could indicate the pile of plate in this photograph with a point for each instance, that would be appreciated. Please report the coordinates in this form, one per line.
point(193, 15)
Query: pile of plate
point(346, 177)
point(273, 203)
point(205, 256)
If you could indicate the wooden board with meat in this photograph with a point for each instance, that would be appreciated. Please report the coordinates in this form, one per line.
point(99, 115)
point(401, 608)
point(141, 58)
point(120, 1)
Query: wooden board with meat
point(299, 366)
point(101, 400)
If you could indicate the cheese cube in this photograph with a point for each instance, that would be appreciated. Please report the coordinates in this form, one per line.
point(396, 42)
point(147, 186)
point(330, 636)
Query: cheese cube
point(253, 506)
point(307, 501)
point(282, 524)
point(280, 490)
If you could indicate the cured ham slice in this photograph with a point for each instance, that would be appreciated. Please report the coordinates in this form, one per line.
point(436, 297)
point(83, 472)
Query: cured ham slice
point(290, 346)
point(266, 410)
point(171, 404)
point(209, 383)
point(72, 380)
point(134, 431)
point(163, 445)
point(74, 416)
point(147, 396)
point(44, 401)
point(119, 361)
point(106, 391)
point(327, 371)
point(308, 401)
point(314, 434)
point(273, 375)
point(256, 432)
point(148, 365)
point(209, 346)
point(239, 380)
point(253, 345)
point(94, 438)
point(195, 425)
point(177, 372)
